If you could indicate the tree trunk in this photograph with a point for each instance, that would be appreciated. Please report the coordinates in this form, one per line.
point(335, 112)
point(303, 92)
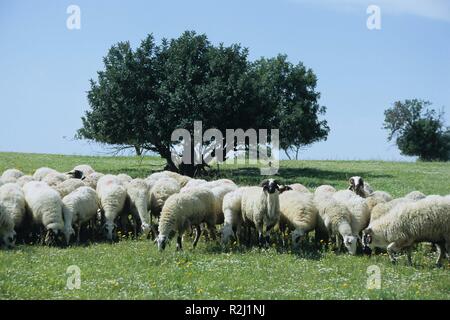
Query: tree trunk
point(138, 150)
point(287, 154)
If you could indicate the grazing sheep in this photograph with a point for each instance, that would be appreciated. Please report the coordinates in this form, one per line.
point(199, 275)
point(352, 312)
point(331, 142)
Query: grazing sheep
point(40, 173)
point(415, 195)
point(260, 207)
point(182, 180)
point(219, 188)
point(124, 178)
point(298, 213)
point(138, 195)
point(231, 208)
point(161, 191)
point(324, 190)
point(112, 196)
point(55, 178)
point(68, 186)
point(11, 175)
point(334, 220)
point(377, 197)
point(425, 220)
point(91, 180)
point(12, 212)
point(359, 186)
point(12, 199)
point(45, 206)
point(383, 208)
point(79, 207)
point(7, 233)
point(356, 205)
point(24, 179)
point(299, 187)
point(183, 211)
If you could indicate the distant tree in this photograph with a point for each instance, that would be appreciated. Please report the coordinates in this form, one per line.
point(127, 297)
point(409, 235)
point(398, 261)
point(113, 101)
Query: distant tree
point(142, 96)
point(418, 130)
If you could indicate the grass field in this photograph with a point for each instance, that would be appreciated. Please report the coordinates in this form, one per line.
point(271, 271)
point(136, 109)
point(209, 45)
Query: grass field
point(136, 270)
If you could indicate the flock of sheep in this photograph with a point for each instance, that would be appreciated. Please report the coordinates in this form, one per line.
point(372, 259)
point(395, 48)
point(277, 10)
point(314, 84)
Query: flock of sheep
point(55, 208)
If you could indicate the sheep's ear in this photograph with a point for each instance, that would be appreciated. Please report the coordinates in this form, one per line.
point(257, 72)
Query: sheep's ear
point(351, 181)
point(277, 182)
point(361, 181)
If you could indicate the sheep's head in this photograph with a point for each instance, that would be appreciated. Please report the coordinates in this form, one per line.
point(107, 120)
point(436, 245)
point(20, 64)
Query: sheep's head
point(367, 239)
point(108, 230)
point(356, 184)
point(227, 233)
point(161, 241)
point(8, 240)
point(350, 244)
point(54, 237)
point(68, 234)
point(77, 174)
point(297, 236)
point(270, 185)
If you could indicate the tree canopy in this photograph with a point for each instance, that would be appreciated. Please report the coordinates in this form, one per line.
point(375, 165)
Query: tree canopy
point(418, 130)
point(143, 95)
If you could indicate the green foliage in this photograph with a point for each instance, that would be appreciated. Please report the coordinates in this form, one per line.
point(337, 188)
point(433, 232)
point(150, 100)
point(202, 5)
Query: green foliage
point(418, 130)
point(141, 96)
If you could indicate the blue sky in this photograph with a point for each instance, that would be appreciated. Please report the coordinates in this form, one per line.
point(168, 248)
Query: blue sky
point(45, 68)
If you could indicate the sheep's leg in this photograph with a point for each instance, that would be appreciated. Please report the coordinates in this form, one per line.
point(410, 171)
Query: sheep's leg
point(339, 242)
point(408, 255)
point(283, 230)
point(440, 250)
point(179, 245)
point(249, 236)
point(198, 232)
point(261, 238)
point(78, 234)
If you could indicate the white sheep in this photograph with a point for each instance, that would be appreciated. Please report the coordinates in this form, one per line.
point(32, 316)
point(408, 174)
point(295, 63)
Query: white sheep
point(181, 179)
point(415, 195)
point(40, 173)
point(182, 211)
point(138, 195)
point(259, 208)
point(12, 212)
point(79, 208)
point(219, 188)
point(24, 179)
point(334, 219)
point(359, 186)
point(383, 208)
point(376, 198)
point(297, 213)
point(231, 208)
point(55, 178)
point(112, 196)
point(68, 186)
point(324, 190)
point(45, 206)
point(91, 180)
point(425, 220)
point(357, 206)
point(124, 178)
point(11, 175)
point(299, 187)
point(160, 192)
